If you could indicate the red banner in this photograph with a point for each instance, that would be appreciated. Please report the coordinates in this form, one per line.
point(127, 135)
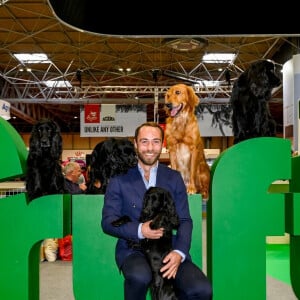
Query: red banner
point(92, 113)
point(163, 126)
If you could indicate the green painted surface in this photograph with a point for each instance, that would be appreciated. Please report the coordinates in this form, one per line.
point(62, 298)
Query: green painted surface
point(278, 262)
point(243, 209)
point(95, 273)
point(24, 225)
point(13, 152)
point(195, 204)
point(241, 213)
point(295, 264)
point(292, 213)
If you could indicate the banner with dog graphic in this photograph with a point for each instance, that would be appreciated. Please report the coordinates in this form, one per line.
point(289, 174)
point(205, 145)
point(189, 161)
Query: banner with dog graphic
point(214, 119)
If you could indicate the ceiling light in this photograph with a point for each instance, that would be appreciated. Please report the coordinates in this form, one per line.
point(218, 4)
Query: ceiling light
point(220, 58)
point(127, 70)
point(186, 44)
point(2, 2)
point(32, 58)
point(58, 83)
point(207, 84)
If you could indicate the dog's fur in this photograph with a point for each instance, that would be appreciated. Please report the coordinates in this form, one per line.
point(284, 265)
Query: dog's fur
point(184, 140)
point(109, 158)
point(44, 173)
point(251, 93)
point(158, 206)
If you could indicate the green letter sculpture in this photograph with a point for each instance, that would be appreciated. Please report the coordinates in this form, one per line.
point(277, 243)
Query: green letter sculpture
point(244, 208)
point(24, 225)
point(242, 212)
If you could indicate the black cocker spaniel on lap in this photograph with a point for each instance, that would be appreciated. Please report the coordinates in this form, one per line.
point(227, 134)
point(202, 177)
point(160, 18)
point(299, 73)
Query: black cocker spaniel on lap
point(158, 206)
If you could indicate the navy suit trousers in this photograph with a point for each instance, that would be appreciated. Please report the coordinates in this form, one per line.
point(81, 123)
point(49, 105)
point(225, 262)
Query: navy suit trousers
point(190, 282)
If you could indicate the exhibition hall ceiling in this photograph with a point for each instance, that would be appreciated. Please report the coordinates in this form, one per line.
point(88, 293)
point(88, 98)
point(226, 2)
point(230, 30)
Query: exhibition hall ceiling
point(88, 67)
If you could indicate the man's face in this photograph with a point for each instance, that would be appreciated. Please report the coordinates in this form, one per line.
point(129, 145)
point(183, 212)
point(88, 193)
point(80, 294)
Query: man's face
point(76, 173)
point(148, 145)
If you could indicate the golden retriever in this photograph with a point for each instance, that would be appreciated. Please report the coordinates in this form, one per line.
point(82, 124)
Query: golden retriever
point(184, 141)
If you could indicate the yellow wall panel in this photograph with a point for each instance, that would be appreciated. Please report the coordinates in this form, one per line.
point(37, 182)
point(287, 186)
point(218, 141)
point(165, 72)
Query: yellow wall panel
point(80, 142)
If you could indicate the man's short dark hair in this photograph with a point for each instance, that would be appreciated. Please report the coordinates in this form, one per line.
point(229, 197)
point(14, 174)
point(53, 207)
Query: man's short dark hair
point(149, 124)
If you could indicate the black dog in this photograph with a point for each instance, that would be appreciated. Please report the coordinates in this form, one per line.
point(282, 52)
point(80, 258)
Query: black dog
point(251, 92)
point(159, 207)
point(109, 158)
point(44, 174)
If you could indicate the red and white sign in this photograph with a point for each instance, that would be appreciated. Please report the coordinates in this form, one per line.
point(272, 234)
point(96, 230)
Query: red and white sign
point(92, 113)
point(115, 120)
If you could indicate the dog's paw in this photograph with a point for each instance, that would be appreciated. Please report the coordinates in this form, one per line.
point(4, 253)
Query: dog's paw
point(204, 195)
point(121, 221)
point(191, 189)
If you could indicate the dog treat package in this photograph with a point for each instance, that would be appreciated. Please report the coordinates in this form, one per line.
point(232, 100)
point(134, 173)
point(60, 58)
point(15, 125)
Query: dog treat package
point(65, 248)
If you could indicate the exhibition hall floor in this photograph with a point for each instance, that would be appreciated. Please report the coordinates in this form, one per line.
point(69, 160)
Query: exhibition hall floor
point(56, 277)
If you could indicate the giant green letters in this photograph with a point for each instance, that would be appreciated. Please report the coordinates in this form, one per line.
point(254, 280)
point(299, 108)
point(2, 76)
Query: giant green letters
point(242, 212)
point(243, 209)
point(24, 225)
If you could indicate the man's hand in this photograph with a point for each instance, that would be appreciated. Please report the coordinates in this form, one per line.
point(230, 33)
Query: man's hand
point(83, 186)
point(172, 262)
point(149, 233)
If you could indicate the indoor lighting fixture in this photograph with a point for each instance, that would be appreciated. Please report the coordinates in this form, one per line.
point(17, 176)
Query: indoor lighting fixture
point(58, 83)
point(186, 44)
point(32, 58)
point(207, 84)
point(220, 58)
point(2, 2)
point(127, 70)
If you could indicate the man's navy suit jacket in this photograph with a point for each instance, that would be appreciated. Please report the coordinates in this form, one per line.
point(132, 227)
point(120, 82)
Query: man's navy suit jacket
point(124, 196)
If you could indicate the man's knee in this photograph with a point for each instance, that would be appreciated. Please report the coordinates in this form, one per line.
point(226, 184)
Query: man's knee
point(205, 290)
point(137, 278)
point(202, 291)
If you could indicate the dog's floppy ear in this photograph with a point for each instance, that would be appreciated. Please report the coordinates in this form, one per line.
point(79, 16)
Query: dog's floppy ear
point(171, 209)
point(34, 142)
point(240, 86)
point(262, 78)
point(174, 220)
point(147, 212)
point(193, 98)
point(258, 81)
point(56, 144)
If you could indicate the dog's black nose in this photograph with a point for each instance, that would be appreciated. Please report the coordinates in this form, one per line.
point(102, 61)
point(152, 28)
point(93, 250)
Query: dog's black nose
point(169, 105)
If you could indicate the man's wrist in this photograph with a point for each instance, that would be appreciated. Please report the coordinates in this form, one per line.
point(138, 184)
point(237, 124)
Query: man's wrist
point(181, 254)
point(140, 234)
